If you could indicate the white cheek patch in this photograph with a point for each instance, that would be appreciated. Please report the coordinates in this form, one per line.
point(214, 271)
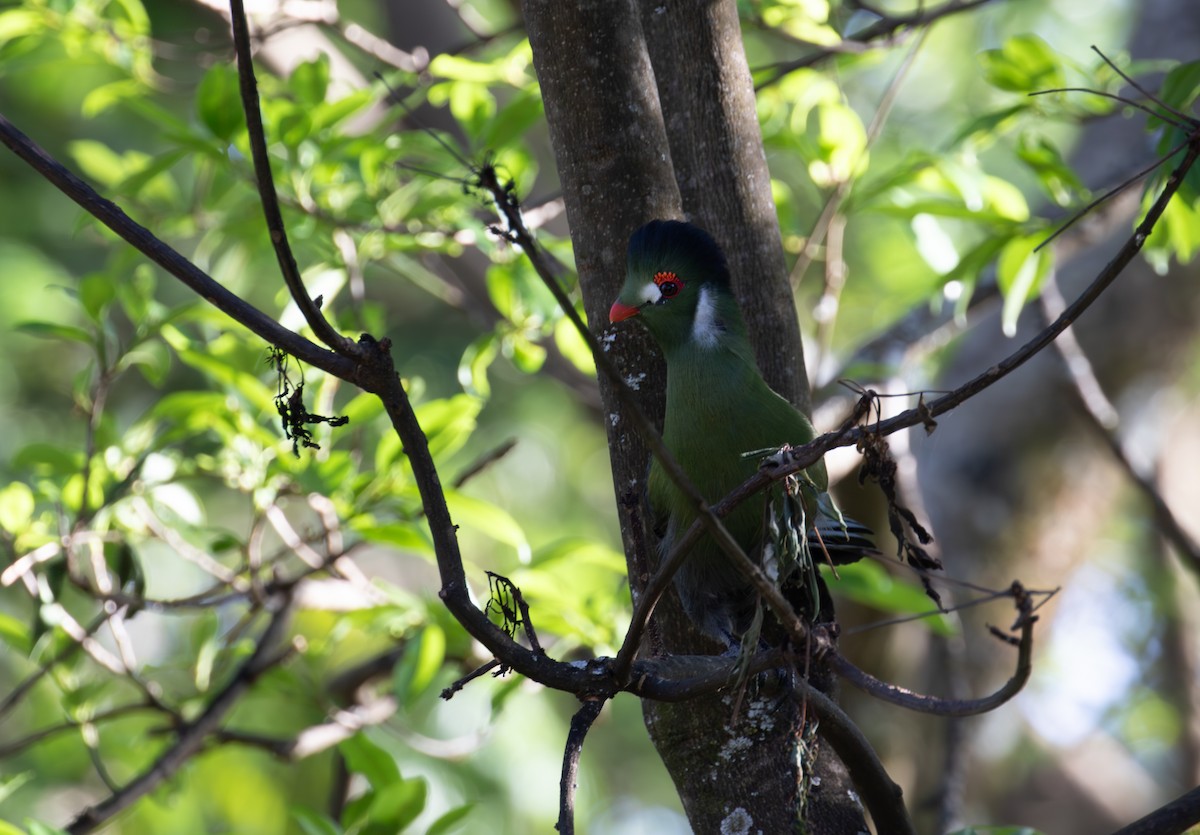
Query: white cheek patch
point(650, 294)
point(705, 328)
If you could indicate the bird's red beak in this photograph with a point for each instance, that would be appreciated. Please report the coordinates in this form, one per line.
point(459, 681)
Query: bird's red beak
point(619, 312)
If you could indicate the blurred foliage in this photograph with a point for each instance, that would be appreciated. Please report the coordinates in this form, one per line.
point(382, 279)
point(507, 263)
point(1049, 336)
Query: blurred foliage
point(152, 500)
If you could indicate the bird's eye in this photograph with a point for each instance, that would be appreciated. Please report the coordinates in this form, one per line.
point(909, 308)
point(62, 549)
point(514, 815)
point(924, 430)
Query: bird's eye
point(669, 284)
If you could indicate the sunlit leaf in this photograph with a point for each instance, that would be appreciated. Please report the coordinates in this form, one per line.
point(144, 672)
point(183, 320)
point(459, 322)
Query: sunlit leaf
point(16, 507)
point(422, 660)
point(1019, 274)
point(309, 81)
point(364, 757)
point(488, 519)
point(448, 822)
point(219, 103)
point(313, 823)
point(870, 584)
point(1024, 64)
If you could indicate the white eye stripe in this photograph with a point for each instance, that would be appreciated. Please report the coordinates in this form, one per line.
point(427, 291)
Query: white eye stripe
point(650, 293)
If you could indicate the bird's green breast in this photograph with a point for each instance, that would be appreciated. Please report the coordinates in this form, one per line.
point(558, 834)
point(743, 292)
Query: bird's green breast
point(718, 408)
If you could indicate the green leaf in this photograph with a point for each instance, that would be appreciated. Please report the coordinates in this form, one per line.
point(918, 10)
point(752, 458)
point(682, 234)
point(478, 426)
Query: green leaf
point(458, 68)
point(1025, 64)
point(572, 346)
point(488, 519)
point(1052, 171)
point(107, 95)
point(7, 828)
point(220, 370)
point(526, 355)
point(403, 535)
point(96, 292)
point(475, 362)
point(16, 507)
point(422, 660)
point(98, 161)
point(152, 358)
point(9, 785)
point(309, 81)
point(53, 330)
point(396, 805)
point(219, 102)
point(447, 822)
point(1019, 275)
point(15, 633)
point(448, 423)
point(513, 120)
point(314, 823)
point(1180, 87)
point(17, 23)
point(871, 585)
point(364, 757)
point(39, 828)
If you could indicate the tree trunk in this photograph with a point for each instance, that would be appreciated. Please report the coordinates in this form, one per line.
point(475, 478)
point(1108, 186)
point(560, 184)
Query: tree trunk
point(621, 163)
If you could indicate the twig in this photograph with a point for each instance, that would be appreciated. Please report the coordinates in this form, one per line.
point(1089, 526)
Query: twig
point(15, 747)
point(1187, 118)
point(266, 191)
point(1113, 192)
point(448, 692)
point(581, 722)
point(953, 707)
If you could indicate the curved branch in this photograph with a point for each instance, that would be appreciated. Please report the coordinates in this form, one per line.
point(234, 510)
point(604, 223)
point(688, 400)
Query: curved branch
point(266, 190)
point(904, 697)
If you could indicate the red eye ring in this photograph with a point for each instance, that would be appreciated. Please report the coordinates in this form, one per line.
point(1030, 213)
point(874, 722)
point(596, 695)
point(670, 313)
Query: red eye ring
point(668, 284)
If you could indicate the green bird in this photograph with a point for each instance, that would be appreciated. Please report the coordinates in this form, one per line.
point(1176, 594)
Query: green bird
point(721, 420)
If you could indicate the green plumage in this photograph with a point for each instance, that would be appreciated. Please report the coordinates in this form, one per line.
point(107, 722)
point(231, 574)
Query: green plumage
point(718, 409)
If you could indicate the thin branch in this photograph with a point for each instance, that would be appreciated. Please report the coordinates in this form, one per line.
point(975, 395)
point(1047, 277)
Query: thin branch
point(16, 746)
point(1189, 119)
point(1114, 191)
point(581, 722)
point(1122, 99)
point(906, 698)
point(266, 191)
